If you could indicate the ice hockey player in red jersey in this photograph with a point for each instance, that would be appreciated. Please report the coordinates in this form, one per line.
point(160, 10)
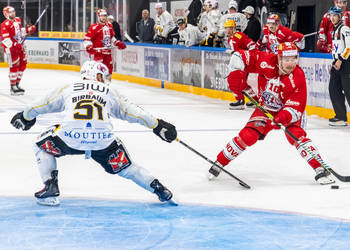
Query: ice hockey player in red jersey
point(12, 38)
point(100, 39)
point(324, 43)
point(282, 91)
point(275, 33)
point(237, 41)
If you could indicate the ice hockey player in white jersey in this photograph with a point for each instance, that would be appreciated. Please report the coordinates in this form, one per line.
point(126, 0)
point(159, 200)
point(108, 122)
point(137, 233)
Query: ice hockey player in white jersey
point(233, 14)
point(189, 35)
point(164, 24)
point(209, 21)
point(88, 106)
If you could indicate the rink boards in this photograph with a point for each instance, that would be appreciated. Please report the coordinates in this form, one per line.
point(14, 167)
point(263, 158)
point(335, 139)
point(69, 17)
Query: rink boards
point(197, 70)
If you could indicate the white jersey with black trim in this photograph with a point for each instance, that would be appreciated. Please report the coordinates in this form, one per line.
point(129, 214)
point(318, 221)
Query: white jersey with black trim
point(88, 107)
point(341, 42)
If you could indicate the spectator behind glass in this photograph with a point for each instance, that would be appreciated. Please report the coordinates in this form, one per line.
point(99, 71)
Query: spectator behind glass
point(145, 28)
point(253, 29)
point(244, 3)
point(116, 27)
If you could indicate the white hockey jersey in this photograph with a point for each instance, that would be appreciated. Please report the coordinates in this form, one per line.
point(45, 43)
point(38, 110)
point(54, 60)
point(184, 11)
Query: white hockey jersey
point(240, 19)
point(191, 35)
point(209, 21)
point(166, 23)
point(88, 107)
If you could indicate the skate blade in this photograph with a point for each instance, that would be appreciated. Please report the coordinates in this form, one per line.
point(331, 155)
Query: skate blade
point(237, 108)
point(172, 202)
point(49, 201)
point(17, 94)
point(211, 177)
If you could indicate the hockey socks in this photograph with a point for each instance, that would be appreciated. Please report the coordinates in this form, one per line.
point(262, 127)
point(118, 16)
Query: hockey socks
point(233, 148)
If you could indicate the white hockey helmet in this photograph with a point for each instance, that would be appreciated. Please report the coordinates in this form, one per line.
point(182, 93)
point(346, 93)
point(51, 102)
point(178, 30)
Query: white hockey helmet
point(90, 69)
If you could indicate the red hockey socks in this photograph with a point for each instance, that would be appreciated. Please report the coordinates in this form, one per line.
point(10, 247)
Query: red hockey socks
point(306, 155)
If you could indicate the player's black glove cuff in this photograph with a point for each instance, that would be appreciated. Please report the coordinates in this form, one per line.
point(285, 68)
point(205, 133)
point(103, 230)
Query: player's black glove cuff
point(19, 122)
point(165, 131)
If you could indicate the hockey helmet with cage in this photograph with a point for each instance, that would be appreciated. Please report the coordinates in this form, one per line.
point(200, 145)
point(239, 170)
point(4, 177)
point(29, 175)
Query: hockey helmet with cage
point(335, 11)
point(6, 11)
point(91, 69)
point(273, 18)
point(288, 49)
point(101, 12)
point(230, 23)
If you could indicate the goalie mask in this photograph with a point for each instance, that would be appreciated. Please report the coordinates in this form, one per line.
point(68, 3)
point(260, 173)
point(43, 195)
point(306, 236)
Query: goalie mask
point(91, 69)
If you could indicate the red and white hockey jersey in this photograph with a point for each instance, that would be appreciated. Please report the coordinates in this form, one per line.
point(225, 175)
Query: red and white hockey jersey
point(276, 92)
point(100, 36)
point(282, 34)
point(12, 33)
point(324, 44)
point(240, 41)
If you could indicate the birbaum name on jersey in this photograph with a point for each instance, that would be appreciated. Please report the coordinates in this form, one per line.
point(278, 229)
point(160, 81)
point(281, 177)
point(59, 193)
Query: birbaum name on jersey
point(90, 96)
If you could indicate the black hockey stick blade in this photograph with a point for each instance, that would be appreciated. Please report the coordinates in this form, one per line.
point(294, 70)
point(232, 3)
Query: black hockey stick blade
point(339, 177)
point(242, 183)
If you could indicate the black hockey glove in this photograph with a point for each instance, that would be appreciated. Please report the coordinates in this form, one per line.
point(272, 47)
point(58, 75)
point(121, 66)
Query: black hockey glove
point(19, 122)
point(165, 131)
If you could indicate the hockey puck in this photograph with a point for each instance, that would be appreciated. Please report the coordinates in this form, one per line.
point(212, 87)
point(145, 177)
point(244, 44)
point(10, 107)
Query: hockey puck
point(334, 187)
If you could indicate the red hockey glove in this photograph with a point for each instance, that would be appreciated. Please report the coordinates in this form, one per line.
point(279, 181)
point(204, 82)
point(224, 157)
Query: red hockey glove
point(31, 29)
point(90, 49)
point(283, 117)
point(120, 44)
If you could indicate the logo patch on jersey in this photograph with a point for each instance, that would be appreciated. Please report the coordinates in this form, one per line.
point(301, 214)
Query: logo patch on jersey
point(264, 65)
point(51, 148)
point(119, 160)
point(238, 36)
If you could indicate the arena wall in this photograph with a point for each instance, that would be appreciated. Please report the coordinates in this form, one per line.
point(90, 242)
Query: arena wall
point(196, 70)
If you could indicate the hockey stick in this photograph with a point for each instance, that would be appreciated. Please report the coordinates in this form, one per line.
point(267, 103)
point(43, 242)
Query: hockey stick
point(37, 21)
point(242, 183)
point(41, 15)
point(287, 131)
point(128, 37)
point(311, 34)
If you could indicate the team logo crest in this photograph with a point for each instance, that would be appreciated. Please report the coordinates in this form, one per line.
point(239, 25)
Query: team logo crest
point(51, 148)
point(119, 161)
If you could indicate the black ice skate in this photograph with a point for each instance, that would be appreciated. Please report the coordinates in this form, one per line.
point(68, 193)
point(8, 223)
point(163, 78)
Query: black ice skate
point(48, 195)
point(239, 105)
point(16, 91)
point(214, 171)
point(335, 122)
point(164, 194)
point(19, 88)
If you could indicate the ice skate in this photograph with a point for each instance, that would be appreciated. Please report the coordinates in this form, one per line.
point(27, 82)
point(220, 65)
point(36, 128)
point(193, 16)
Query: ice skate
point(214, 171)
point(323, 177)
point(16, 91)
point(239, 105)
point(164, 194)
point(19, 88)
point(335, 122)
point(48, 195)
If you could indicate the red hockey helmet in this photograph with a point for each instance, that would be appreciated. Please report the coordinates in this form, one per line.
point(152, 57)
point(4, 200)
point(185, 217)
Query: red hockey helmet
point(6, 10)
point(273, 18)
point(101, 12)
point(288, 49)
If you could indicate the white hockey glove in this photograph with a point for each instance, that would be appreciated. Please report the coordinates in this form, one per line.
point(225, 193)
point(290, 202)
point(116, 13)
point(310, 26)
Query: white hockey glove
point(19, 122)
point(166, 131)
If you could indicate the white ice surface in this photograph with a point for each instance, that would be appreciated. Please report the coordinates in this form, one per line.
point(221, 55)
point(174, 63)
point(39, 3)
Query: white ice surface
point(281, 180)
